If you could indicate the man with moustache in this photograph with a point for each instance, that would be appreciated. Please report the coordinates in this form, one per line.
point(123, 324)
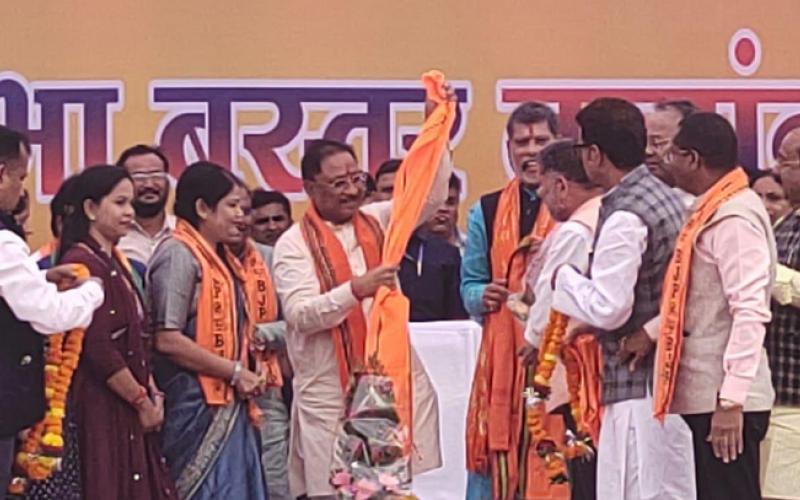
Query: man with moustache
point(498, 465)
point(30, 307)
point(662, 126)
point(149, 170)
point(640, 217)
point(327, 270)
point(779, 448)
point(272, 216)
point(574, 201)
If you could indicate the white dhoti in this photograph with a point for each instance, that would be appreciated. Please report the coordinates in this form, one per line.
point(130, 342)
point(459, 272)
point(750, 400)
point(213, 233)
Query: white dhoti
point(638, 458)
point(780, 455)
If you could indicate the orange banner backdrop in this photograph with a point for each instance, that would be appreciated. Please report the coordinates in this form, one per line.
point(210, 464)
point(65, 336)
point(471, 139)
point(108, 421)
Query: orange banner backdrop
point(246, 84)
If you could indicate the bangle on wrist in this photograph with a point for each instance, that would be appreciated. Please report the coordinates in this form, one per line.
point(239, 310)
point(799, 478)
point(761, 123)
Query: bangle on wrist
point(237, 373)
point(140, 398)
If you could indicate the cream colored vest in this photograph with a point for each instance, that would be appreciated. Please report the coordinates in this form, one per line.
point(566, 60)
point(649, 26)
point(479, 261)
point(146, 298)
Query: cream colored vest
point(708, 324)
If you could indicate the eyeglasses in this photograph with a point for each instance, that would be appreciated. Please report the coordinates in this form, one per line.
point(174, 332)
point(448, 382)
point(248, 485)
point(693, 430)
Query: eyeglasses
point(582, 145)
point(358, 180)
point(669, 156)
point(149, 176)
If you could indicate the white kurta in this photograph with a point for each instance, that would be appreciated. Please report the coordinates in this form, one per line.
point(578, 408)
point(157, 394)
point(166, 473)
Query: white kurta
point(318, 397)
point(570, 243)
point(638, 458)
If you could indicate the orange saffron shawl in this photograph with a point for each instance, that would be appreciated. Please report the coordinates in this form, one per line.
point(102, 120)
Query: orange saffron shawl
point(261, 304)
point(333, 269)
point(676, 286)
point(494, 419)
point(217, 322)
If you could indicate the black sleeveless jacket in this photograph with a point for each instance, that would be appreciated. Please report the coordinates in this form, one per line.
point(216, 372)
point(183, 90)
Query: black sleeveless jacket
point(22, 401)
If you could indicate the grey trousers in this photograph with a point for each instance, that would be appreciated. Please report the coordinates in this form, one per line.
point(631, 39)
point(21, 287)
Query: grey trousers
point(275, 443)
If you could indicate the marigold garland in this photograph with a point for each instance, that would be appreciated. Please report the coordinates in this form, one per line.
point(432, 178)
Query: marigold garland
point(552, 451)
point(40, 453)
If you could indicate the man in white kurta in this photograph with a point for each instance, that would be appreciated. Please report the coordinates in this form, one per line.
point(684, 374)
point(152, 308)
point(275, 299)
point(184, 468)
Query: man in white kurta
point(640, 217)
point(319, 402)
point(575, 203)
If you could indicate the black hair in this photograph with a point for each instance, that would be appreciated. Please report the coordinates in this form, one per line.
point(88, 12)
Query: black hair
point(262, 197)
point(712, 137)
point(388, 167)
point(615, 126)
point(10, 142)
point(94, 183)
point(205, 181)
point(371, 187)
point(532, 112)
point(685, 107)
point(454, 182)
point(317, 151)
point(141, 150)
point(561, 156)
point(756, 175)
point(62, 204)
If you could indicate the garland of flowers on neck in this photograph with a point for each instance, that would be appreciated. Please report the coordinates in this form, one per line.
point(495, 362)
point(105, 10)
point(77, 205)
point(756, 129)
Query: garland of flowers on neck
point(41, 451)
point(554, 453)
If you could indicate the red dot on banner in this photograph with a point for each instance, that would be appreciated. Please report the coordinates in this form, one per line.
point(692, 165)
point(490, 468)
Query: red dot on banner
point(745, 52)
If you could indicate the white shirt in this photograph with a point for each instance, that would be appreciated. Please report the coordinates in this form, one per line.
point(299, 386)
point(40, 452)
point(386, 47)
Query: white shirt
point(34, 300)
point(605, 300)
point(687, 199)
point(570, 244)
point(310, 315)
point(138, 245)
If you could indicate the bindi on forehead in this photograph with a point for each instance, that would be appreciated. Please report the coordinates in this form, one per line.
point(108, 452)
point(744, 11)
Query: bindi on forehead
point(527, 131)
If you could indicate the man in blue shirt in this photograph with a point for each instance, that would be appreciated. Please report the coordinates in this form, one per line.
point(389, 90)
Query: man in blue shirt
point(530, 128)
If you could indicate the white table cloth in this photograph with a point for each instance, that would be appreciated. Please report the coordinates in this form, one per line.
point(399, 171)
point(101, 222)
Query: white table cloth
point(449, 351)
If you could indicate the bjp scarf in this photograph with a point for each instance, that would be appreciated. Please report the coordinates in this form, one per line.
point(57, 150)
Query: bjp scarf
point(676, 286)
point(388, 336)
point(217, 322)
point(495, 432)
point(261, 305)
point(333, 269)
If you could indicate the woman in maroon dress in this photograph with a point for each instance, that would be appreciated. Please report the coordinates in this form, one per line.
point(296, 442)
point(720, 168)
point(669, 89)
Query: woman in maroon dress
point(117, 405)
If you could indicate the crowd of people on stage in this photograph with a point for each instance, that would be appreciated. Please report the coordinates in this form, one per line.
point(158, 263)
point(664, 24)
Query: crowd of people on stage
point(217, 332)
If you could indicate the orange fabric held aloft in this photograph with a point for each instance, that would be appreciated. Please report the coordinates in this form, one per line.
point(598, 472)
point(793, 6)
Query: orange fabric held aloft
point(388, 336)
